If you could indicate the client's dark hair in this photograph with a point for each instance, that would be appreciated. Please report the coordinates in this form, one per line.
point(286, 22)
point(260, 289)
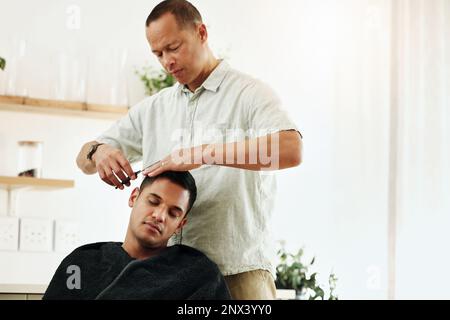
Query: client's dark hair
point(182, 178)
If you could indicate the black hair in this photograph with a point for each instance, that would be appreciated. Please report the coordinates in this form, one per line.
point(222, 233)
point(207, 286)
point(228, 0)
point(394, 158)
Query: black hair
point(182, 178)
point(185, 13)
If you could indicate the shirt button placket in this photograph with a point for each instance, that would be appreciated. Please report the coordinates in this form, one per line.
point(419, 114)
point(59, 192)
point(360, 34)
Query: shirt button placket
point(190, 118)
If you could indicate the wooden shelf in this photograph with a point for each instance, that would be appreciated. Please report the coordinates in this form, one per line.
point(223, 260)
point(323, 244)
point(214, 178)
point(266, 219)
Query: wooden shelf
point(57, 107)
point(12, 183)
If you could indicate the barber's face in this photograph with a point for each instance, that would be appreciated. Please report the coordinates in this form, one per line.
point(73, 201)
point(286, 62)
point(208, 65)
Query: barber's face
point(158, 212)
point(181, 51)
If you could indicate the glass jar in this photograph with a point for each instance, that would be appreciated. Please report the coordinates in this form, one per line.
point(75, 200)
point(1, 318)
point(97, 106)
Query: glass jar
point(107, 78)
point(30, 159)
point(15, 71)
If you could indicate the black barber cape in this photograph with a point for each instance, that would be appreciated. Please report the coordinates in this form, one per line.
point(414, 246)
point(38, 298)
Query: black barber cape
point(106, 271)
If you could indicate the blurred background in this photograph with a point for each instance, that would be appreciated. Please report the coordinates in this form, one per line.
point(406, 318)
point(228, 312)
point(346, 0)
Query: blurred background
point(366, 81)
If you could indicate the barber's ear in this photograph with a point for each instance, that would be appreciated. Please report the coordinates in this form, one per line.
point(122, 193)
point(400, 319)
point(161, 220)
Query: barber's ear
point(133, 197)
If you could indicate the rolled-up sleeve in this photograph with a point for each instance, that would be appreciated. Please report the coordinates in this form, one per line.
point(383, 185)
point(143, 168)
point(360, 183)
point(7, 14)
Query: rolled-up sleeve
point(266, 112)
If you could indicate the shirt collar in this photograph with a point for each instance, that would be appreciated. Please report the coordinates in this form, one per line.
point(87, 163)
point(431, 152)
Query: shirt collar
point(212, 83)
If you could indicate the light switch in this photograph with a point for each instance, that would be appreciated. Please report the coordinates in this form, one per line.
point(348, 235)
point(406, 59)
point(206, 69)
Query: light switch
point(9, 233)
point(67, 235)
point(36, 234)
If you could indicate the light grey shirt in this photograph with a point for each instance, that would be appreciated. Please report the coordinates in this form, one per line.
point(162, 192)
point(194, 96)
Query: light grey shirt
point(230, 221)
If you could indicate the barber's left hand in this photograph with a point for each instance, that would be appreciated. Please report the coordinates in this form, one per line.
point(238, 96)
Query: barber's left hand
point(180, 160)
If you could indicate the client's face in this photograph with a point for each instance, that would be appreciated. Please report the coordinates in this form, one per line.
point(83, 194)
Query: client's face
point(158, 212)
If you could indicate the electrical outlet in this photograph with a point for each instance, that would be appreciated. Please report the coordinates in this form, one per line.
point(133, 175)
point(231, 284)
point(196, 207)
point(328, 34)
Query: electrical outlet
point(67, 236)
point(36, 234)
point(9, 233)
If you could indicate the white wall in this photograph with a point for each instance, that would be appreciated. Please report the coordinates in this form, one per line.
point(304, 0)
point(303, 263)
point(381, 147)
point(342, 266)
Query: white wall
point(102, 213)
point(262, 38)
point(328, 60)
point(290, 44)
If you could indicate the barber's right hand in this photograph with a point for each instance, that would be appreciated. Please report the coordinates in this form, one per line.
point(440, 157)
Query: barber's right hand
point(112, 165)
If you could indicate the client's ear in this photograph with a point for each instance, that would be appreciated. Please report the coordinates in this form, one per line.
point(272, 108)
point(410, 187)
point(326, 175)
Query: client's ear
point(181, 225)
point(134, 195)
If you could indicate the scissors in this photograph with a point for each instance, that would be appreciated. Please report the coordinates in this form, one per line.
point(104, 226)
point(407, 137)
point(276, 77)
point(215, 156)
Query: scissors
point(127, 180)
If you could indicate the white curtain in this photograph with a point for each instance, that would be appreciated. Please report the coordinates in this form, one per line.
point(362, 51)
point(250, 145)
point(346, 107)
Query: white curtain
point(372, 94)
point(421, 105)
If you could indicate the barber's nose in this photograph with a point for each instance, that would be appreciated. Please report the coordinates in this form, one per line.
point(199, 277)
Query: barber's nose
point(168, 62)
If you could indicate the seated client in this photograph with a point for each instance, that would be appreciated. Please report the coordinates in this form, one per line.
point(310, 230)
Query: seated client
point(143, 266)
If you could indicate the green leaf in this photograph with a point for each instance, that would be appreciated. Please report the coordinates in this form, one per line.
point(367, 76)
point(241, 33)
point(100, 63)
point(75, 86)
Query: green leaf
point(294, 273)
point(2, 63)
point(154, 80)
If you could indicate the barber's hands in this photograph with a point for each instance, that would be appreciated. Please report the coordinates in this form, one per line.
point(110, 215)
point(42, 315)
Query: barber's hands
point(179, 160)
point(112, 165)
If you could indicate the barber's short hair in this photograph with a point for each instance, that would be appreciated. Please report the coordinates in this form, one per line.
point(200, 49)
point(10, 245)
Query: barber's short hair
point(185, 13)
point(182, 178)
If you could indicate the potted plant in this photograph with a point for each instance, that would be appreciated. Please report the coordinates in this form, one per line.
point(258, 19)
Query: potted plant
point(2, 63)
point(294, 273)
point(155, 80)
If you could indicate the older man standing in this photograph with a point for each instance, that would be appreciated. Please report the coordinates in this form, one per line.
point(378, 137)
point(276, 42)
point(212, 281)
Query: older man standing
point(226, 127)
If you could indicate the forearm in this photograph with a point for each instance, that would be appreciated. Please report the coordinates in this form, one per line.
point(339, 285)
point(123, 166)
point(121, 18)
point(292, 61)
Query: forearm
point(86, 165)
point(277, 151)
